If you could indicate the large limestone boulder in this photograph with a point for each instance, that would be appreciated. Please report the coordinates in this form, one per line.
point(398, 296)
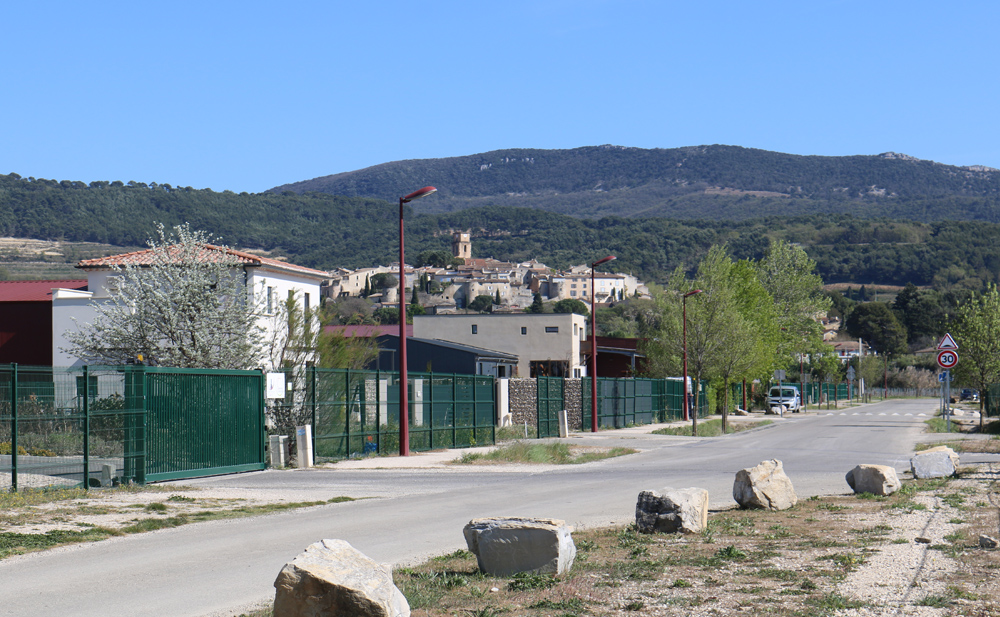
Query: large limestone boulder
point(764, 487)
point(939, 462)
point(874, 479)
point(505, 546)
point(332, 578)
point(672, 510)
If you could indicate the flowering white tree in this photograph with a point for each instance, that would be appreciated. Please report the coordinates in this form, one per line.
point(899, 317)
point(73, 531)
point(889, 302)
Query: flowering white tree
point(184, 302)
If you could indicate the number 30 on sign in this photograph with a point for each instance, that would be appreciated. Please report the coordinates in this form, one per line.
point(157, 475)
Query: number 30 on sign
point(947, 358)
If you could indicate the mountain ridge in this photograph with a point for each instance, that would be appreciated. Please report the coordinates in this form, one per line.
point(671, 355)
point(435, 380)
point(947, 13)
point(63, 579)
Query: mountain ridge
point(688, 182)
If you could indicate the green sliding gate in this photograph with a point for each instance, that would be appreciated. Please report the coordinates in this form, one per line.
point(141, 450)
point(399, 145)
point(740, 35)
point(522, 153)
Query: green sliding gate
point(98, 425)
point(357, 412)
point(203, 423)
point(549, 402)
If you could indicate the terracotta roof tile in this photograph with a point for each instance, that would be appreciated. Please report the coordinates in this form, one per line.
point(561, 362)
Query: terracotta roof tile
point(210, 251)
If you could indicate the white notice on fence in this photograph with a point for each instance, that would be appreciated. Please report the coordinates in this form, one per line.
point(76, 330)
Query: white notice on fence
point(275, 385)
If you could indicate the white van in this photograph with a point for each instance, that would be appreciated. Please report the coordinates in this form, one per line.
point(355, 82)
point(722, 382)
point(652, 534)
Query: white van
point(785, 395)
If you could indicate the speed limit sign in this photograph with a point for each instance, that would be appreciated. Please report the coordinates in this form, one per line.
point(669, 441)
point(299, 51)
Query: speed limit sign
point(947, 358)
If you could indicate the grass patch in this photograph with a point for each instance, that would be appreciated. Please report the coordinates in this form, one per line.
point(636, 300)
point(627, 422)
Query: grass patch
point(12, 543)
point(21, 543)
point(940, 425)
point(542, 453)
point(515, 432)
point(710, 428)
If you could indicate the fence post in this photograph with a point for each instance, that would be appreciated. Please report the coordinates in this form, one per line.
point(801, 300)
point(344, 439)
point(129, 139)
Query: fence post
point(13, 425)
point(312, 388)
point(86, 427)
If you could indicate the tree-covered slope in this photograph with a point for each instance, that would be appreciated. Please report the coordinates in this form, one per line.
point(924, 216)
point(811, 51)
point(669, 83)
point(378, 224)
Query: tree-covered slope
point(723, 182)
point(327, 231)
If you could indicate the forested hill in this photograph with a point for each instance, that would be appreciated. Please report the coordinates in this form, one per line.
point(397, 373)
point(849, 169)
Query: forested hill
point(704, 182)
point(327, 231)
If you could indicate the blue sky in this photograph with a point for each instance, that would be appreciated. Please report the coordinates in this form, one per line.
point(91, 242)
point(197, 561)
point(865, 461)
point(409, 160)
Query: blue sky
point(248, 95)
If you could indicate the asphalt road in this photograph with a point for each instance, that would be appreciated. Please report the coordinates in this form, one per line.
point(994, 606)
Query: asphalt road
point(220, 567)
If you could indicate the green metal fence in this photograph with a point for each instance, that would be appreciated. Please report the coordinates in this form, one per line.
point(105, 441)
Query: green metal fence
point(991, 401)
point(549, 401)
point(357, 412)
point(629, 401)
point(97, 426)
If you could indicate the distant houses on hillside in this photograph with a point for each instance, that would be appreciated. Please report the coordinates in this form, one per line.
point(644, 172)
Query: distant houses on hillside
point(448, 289)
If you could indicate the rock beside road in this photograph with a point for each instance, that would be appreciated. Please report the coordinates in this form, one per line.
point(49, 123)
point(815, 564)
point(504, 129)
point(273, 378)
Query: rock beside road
point(672, 510)
point(505, 546)
point(874, 479)
point(333, 579)
point(764, 487)
point(939, 462)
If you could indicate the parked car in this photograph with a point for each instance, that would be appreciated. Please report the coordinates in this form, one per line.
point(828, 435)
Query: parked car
point(969, 394)
point(785, 395)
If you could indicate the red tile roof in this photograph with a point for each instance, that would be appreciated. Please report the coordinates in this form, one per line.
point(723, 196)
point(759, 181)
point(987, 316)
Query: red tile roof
point(36, 291)
point(210, 252)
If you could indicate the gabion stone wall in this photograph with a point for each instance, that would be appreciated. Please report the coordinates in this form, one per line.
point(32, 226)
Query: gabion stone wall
point(572, 394)
point(523, 401)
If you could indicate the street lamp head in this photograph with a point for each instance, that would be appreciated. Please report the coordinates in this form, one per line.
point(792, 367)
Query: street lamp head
point(424, 192)
point(602, 261)
point(693, 292)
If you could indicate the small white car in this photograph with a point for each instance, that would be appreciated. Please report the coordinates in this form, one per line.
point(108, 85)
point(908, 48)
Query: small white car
point(785, 395)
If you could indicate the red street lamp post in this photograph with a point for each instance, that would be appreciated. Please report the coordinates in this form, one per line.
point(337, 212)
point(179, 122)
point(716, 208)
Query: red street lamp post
point(593, 343)
point(404, 408)
point(687, 404)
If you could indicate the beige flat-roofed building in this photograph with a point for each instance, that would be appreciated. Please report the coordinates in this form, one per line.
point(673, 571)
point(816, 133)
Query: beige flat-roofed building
point(546, 345)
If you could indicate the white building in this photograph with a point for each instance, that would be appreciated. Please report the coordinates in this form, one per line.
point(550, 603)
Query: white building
point(268, 281)
point(546, 344)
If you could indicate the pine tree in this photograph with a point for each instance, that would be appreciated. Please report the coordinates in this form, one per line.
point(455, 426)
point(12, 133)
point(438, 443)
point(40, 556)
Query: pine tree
point(536, 304)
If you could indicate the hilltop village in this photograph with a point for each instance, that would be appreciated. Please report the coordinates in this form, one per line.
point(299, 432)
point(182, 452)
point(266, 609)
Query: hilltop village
point(452, 285)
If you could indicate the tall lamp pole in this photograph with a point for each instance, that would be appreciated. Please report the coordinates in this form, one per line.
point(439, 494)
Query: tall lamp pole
point(404, 408)
point(684, 298)
point(593, 343)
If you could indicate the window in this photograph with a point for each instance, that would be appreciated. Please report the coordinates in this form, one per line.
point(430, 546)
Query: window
point(270, 300)
point(554, 329)
point(572, 293)
point(475, 328)
point(305, 302)
point(576, 373)
point(524, 330)
point(576, 329)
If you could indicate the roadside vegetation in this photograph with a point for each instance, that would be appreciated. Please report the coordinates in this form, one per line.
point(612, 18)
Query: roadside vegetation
point(711, 428)
point(541, 453)
point(33, 520)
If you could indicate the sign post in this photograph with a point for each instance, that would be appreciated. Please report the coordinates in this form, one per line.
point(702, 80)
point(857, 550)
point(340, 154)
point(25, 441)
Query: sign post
point(850, 381)
point(947, 358)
